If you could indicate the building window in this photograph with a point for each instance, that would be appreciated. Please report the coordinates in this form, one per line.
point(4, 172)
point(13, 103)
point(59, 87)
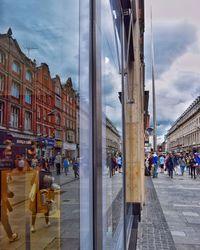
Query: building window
point(44, 130)
point(45, 115)
point(58, 102)
point(2, 82)
point(38, 113)
point(39, 129)
point(39, 95)
point(57, 90)
point(14, 117)
point(1, 112)
point(29, 76)
point(2, 58)
point(28, 96)
point(15, 89)
point(58, 120)
point(28, 120)
point(16, 67)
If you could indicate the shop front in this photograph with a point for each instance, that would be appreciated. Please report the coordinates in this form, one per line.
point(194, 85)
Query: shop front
point(20, 142)
point(45, 147)
point(58, 146)
point(70, 150)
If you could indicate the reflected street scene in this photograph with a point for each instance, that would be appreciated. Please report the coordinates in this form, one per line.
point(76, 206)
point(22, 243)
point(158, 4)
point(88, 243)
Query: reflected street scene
point(46, 167)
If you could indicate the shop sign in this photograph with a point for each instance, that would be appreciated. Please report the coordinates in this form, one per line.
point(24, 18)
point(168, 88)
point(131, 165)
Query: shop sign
point(46, 142)
point(58, 144)
point(50, 143)
point(69, 146)
point(20, 141)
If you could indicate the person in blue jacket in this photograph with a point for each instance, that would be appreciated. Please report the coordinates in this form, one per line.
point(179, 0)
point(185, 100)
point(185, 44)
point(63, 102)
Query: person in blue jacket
point(155, 164)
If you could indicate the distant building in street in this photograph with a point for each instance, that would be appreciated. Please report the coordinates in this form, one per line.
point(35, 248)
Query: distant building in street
point(184, 135)
point(45, 102)
point(113, 138)
point(70, 119)
point(58, 114)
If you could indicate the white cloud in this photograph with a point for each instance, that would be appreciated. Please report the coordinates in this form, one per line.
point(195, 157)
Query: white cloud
point(177, 72)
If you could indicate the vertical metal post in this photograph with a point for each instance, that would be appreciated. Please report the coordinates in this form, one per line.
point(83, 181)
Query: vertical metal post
point(153, 90)
point(96, 97)
point(123, 126)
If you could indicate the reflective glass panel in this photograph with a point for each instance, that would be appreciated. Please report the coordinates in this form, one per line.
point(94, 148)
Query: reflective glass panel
point(112, 126)
point(45, 139)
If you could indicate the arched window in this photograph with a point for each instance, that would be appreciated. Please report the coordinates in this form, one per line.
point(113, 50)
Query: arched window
point(16, 67)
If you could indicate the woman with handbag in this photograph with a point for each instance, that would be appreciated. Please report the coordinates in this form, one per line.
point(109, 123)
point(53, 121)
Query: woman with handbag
point(40, 194)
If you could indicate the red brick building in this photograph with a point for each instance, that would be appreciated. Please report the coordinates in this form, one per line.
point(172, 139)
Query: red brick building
point(70, 119)
point(35, 106)
point(58, 113)
point(17, 94)
point(45, 102)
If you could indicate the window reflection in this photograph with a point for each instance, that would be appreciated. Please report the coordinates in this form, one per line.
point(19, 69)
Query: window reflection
point(112, 128)
point(39, 125)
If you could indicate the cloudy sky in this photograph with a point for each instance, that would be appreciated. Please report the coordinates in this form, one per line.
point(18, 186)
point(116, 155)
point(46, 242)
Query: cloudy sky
point(51, 29)
point(48, 26)
point(176, 31)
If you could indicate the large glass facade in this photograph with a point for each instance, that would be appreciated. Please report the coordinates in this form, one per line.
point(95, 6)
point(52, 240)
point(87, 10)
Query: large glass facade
point(62, 178)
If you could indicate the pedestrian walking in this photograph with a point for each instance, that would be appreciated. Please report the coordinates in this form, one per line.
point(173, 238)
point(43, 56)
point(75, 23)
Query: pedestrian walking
point(58, 162)
point(113, 164)
point(66, 165)
point(5, 206)
point(155, 164)
point(188, 164)
point(150, 167)
point(192, 167)
point(76, 168)
point(41, 194)
point(162, 163)
point(119, 163)
point(175, 163)
point(170, 165)
point(182, 164)
point(197, 163)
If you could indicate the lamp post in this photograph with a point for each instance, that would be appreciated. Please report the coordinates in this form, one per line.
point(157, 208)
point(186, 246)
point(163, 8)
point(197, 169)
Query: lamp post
point(153, 90)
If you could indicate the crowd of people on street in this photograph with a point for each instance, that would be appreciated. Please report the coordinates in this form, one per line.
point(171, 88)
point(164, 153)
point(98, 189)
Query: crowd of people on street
point(114, 162)
point(42, 185)
point(172, 163)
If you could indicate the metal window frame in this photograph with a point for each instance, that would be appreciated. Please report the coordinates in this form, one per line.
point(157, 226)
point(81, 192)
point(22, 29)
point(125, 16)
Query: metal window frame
point(96, 95)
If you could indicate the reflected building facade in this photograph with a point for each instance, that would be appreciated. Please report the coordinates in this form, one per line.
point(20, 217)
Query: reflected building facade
point(184, 135)
point(97, 46)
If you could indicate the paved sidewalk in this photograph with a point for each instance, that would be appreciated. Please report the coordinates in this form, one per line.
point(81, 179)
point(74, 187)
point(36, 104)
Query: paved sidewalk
point(180, 201)
point(153, 230)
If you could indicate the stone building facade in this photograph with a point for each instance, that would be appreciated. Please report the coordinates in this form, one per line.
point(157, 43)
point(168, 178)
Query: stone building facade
point(184, 135)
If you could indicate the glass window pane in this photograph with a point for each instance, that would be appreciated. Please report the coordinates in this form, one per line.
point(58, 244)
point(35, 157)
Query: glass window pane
point(50, 52)
point(112, 126)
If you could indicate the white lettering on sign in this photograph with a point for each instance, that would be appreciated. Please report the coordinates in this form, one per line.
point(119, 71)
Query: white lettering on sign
point(23, 142)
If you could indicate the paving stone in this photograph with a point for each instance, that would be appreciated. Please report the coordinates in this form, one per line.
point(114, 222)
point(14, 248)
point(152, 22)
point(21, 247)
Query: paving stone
point(178, 233)
point(191, 214)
